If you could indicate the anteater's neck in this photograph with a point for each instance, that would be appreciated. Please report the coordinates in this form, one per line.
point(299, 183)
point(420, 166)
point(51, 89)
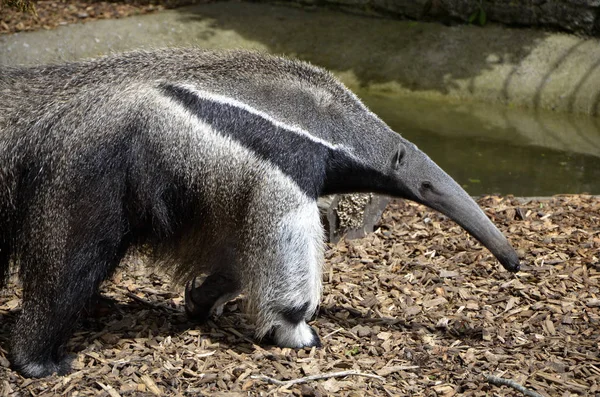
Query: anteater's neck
point(347, 173)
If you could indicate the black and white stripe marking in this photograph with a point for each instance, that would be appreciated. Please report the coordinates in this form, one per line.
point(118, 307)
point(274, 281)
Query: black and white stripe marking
point(294, 151)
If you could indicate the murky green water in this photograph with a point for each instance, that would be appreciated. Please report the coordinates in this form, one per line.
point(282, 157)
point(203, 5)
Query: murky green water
point(493, 149)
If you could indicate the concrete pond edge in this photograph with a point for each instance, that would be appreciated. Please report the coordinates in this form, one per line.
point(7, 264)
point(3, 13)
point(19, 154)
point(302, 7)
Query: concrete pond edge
point(524, 67)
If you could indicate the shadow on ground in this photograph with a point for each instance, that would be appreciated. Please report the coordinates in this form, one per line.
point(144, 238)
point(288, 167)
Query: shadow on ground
point(430, 57)
point(112, 325)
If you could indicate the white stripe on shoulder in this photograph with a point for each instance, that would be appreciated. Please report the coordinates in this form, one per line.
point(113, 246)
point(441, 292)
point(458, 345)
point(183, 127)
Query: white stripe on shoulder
point(235, 103)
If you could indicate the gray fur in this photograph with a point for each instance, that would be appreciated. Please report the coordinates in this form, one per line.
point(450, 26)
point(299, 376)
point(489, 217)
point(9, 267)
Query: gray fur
point(214, 159)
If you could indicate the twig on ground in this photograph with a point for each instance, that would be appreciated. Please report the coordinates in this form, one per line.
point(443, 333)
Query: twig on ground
point(496, 380)
point(315, 377)
point(385, 371)
point(152, 305)
point(236, 333)
point(333, 332)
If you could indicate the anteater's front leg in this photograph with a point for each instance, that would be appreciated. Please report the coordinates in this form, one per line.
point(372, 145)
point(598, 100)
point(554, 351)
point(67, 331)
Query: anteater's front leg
point(283, 258)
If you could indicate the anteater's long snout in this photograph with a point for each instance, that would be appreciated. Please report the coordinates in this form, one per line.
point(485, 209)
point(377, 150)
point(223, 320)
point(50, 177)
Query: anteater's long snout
point(425, 182)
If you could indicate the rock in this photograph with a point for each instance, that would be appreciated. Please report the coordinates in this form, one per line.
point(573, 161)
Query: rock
point(581, 16)
point(351, 215)
point(572, 15)
point(414, 9)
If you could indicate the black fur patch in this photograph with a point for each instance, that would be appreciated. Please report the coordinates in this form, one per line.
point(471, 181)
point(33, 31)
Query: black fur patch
point(316, 342)
point(296, 314)
point(299, 157)
point(199, 301)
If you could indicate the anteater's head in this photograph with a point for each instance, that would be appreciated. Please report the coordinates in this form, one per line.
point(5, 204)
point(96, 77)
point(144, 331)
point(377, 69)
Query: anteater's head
point(366, 155)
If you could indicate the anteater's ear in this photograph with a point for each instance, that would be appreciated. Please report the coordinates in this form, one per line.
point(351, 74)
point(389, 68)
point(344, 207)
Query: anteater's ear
point(398, 157)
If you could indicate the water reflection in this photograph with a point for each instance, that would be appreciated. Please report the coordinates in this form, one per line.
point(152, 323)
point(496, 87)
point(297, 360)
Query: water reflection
point(494, 149)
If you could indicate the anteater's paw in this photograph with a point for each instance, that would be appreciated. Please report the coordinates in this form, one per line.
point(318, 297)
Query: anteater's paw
point(296, 336)
point(41, 369)
point(198, 304)
point(209, 298)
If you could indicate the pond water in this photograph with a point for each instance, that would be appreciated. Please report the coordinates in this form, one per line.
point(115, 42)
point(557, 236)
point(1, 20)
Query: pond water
point(494, 149)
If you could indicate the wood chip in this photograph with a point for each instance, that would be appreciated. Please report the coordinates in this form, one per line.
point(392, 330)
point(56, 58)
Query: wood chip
point(426, 323)
point(151, 385)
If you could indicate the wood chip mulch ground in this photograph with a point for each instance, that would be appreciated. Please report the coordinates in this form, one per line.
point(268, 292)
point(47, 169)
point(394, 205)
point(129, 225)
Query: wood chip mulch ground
point(54, 13)
point(418, 303)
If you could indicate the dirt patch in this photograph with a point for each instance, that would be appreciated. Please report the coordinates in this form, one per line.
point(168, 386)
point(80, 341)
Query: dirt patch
point(51, 14)
point(418, 302)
